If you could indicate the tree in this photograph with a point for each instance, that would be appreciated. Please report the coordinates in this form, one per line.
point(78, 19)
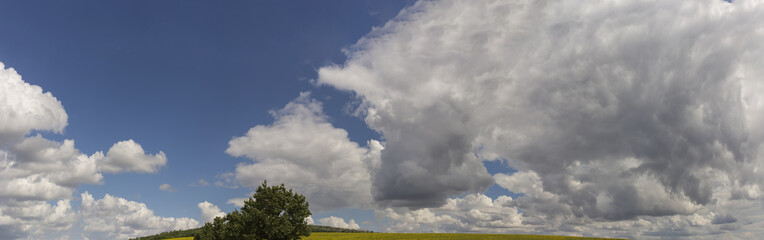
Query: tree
point(272, 213)
point(218, 229)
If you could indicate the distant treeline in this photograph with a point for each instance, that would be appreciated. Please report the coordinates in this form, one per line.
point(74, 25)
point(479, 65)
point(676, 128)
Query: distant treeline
point(172, 234)
point(195, 231)
point(317, 228)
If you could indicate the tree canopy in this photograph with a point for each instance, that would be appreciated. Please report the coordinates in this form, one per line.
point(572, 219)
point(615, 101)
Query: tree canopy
point(272, 213)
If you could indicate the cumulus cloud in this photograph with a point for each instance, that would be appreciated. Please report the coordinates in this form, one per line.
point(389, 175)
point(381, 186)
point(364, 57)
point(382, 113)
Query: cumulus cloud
point(36, 172)
point(117, 218)
point(33, 187)
point(621, 109)
point(36, 219)
point(525, 215)
point(25, 107)
point(333, 221)
point(471, 213)
point(304, 151)
point(60, 161)
point(129, 156)
point(209, 211)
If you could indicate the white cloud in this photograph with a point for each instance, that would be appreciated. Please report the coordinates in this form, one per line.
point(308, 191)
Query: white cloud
point(238, 202)
point(472, 213)
point(129, 156)
point(166, 187)
point(309, 220)
point(35, 219)
point(304, 151)
point(117, 218)
point(480, 214)
point(33, 187)
point(333, 221)
point(25, 107)
point(209, 211)
point(60, 161)
point(527, 182)
point(36, 172)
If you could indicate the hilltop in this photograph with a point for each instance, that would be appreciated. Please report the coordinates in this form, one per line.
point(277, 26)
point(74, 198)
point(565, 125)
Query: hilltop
point(195, 231)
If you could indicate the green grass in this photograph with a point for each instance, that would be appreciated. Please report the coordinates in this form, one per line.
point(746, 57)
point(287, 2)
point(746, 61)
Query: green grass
point(436, 236)
point(183, 238)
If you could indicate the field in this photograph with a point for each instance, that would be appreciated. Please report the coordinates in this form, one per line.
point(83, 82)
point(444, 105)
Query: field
point(425, 236)
point(327, 233)
point(435, 236)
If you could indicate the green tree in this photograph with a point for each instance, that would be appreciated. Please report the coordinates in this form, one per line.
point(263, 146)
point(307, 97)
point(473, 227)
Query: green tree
point(215, 230)
point(272, 213)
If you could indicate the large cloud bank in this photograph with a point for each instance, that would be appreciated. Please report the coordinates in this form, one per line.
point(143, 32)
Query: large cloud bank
point(612, 111)
point(38, 176)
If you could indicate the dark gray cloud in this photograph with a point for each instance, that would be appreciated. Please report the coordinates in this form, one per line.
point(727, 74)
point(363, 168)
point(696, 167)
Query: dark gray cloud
point(10, 232)
point(723, 218)
point(423, 165)
point(623, 109)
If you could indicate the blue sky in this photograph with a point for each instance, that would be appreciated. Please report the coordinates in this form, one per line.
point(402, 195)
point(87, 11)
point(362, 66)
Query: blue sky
point(610, 118)
point(181, 78)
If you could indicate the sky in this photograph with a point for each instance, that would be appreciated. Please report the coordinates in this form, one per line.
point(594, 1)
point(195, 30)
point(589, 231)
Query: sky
point(609, 118)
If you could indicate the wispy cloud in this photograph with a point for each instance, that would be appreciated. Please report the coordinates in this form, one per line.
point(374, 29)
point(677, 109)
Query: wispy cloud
point(167, 188)
point(227, 180)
